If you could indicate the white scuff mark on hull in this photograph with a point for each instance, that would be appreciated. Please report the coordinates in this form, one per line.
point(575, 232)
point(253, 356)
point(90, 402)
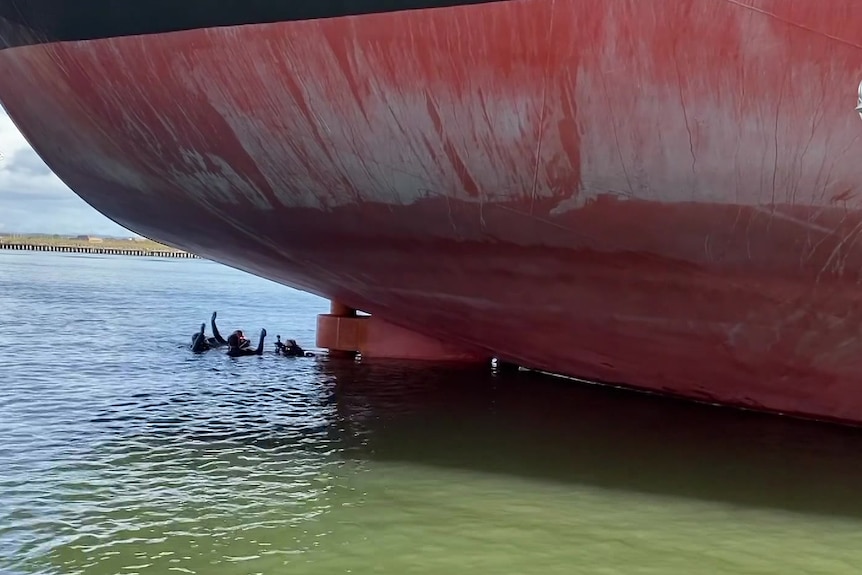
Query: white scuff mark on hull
point(803, 223)
point(349, 130)
point(208, 178)
point(374, 150)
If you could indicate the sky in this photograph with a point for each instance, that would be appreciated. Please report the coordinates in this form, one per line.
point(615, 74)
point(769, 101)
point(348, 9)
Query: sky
point(34, 200)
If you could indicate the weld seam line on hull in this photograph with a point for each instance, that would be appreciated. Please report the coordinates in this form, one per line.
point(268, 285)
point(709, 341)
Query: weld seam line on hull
point(791, 23)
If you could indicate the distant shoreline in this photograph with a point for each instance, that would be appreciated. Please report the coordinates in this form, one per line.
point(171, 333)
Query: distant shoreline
point(90, 245)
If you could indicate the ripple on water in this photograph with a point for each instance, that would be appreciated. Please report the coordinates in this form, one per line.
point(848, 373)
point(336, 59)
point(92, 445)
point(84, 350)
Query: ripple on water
point(130, 455)
point(213, 472)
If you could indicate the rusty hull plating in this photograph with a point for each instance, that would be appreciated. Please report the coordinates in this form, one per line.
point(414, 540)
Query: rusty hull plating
point(660, 194)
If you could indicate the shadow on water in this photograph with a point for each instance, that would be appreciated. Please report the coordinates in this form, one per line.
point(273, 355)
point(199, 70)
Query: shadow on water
point(522, 425)
point(555, 430)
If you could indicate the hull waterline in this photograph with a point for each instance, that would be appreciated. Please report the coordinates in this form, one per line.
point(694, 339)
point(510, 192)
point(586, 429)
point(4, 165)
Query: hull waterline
point(658, 194)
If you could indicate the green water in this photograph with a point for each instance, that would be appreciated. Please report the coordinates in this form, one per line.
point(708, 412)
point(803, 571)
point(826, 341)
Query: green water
point(391, 472)
point(140, 458)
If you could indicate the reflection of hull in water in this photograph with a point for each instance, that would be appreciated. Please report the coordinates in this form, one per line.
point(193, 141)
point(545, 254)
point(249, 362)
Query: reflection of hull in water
point(538, 428)
point(656, 193)
point(336, 415)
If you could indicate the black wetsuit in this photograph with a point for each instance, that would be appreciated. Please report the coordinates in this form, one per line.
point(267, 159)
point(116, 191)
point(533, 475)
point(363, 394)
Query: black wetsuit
point(201, 343)
point(291, 349)
point(236, 348)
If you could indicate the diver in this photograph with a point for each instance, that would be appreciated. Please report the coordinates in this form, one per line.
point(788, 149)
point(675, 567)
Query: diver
point(201, 343)
point(244, 342)
point(291, 349)
point(235, 346)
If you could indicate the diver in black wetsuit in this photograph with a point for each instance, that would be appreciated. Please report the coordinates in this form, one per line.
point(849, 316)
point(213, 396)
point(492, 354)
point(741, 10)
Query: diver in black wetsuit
point(236, 349)
point(243, 341)
point(201, 343)
point(290, 349)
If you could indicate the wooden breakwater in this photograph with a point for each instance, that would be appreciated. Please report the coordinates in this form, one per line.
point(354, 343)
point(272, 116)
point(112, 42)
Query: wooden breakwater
point(98, 250)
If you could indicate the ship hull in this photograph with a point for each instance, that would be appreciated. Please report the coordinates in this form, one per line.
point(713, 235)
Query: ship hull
point(661, 195)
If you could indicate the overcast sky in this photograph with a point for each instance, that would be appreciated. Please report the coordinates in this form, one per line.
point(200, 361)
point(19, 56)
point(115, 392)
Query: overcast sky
point(32, 199)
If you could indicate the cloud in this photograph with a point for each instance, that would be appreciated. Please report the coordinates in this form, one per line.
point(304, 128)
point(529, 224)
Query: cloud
point(33, 199)
point(28, 163)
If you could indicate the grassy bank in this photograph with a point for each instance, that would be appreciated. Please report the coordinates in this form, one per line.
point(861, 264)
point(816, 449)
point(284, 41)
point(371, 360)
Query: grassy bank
point(107, 243)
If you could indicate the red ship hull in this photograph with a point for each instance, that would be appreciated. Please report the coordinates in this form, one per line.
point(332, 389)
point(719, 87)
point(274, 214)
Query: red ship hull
point(658, 194)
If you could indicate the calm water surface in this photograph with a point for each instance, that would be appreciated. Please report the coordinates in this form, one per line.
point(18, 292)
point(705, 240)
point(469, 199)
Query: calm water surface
point(121, 452)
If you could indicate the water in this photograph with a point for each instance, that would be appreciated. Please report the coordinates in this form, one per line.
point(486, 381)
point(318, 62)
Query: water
point(121, 452)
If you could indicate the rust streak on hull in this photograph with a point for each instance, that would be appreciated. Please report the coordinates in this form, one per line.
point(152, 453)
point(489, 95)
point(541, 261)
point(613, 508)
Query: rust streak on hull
point(661, 194)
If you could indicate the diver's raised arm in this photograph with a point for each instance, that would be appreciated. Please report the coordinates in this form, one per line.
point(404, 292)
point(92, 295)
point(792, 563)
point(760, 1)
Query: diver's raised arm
point(216, 333)
point(199, 344)
point(259, 350)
